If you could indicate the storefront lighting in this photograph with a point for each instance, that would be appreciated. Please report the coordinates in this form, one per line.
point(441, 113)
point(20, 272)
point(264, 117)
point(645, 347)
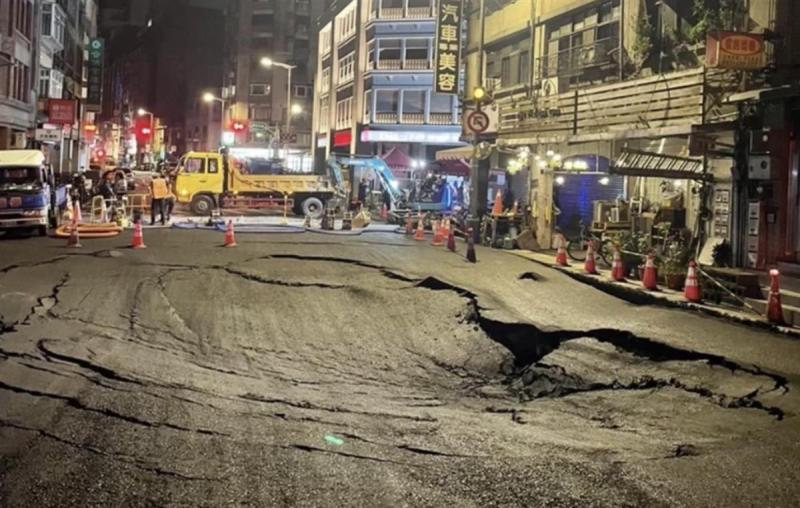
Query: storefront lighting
point(605, 180)
point(560, 180)
point(537, 157)
point(550, 153)
point(678, 184)
point(542, 164)
point(569, 165)
point(557, 157)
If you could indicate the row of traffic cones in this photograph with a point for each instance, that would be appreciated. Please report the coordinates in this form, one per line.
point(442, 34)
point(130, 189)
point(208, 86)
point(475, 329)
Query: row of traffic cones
point(691, 290)
point(443, 235)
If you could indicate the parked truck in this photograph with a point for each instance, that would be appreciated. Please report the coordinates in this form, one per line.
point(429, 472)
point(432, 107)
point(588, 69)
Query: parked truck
point(29, 196)
point(206, 180)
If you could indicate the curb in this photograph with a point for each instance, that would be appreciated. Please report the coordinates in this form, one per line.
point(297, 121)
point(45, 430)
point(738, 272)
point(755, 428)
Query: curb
point(641, 297)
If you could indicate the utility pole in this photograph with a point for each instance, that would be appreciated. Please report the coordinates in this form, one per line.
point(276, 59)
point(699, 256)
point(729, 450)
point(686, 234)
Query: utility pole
point(478, 188)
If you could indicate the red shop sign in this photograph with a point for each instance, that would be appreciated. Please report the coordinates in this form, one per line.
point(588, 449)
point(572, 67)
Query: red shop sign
point(62, 111)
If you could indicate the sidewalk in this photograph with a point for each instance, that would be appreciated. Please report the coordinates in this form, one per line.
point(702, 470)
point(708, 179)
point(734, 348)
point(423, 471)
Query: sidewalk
point(634, 292)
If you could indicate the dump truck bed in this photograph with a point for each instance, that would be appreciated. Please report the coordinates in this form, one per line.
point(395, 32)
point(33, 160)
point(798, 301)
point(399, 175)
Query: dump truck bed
point(283, 184)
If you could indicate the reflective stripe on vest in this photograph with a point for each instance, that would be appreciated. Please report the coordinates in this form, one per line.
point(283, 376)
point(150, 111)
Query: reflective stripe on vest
point(160, 189)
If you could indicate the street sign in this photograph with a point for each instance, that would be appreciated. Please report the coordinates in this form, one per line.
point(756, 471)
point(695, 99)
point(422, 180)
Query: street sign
point(477, 122)
point(48, 135)
point(448, 46)
point(94, 85)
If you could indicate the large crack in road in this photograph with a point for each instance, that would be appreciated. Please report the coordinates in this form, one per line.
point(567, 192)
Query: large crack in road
point(399, 401)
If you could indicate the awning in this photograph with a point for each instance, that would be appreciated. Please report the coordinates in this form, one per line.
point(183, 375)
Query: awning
point(642, 163)
point(457, 167)
point(397, 159)
point(458, 153)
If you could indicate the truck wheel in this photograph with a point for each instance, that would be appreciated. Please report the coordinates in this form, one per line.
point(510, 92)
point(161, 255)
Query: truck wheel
point(314, 207)
point(202, 205)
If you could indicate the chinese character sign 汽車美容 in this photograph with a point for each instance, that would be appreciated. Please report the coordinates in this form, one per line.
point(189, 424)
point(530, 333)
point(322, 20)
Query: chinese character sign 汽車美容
point(448, 46)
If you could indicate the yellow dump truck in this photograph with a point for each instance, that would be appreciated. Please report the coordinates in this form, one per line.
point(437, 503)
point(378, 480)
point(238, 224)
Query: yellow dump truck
point(206, 180)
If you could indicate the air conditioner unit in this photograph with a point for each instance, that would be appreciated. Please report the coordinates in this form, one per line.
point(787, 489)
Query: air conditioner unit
point(550, 86)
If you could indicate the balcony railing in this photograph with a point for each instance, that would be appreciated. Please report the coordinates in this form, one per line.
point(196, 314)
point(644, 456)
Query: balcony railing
point(413, 118)
point(399, 65)
point(440, 118)
point(422, 12)
point(589, 61)
point(386, 117)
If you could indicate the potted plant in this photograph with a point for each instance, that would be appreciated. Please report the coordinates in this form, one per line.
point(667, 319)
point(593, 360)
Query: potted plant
point(673, 265)
point(634, 246)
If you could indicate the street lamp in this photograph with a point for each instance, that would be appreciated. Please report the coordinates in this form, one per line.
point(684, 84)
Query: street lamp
point(290, 108)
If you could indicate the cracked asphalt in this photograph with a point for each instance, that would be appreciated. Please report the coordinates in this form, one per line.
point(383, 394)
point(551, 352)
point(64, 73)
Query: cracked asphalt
point(321, 370)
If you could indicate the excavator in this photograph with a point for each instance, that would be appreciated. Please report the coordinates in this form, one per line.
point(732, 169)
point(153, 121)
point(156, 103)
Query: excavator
point(430, 199)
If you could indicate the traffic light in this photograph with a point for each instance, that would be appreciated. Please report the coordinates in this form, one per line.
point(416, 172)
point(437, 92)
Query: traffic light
point(239, 126)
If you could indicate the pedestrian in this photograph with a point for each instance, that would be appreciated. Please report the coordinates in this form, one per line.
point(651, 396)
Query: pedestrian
point(159, 192)
point(362, 191)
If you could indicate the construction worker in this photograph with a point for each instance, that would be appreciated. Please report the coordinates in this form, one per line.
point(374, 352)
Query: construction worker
point(159, 192)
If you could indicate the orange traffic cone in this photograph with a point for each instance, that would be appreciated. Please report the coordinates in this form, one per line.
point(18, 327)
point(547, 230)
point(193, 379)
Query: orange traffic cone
point(420, 234)
point(138, 237)
point(650, 279)
point(230, 237)
point(591, 264)
point(691, 289)
point(74, 240)
point(438, 235)
point(471, 247)
point(76, 212)
point(774, 307)
point(497, 209)
point(451, 240)
point(617, 269)
point(561, 254)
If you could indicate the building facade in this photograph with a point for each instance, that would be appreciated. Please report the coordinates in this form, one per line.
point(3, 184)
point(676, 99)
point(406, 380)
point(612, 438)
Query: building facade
point(633, 92)
point(374, 90)
point(257, 95)
point(18, 68)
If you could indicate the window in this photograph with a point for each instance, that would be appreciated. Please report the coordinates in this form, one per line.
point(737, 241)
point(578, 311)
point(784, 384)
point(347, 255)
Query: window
point(413, 102)
point(386, 101)
point(300, 91)
point(23, 17)
point(346, 23)
point(325, 80)
point(505, 71)
point(44, 83)
point(259, 89)
point(260, 112)
point(344, 113)
point(213, 163)
point(263, 22)
point(417, 49)
point(195, 165)
point(389, 49)
point(524, 67)
point(419, 3)
point(441, 103)
point(324, 114)
point(346, 65)
point(325, 40)
point(368, 106)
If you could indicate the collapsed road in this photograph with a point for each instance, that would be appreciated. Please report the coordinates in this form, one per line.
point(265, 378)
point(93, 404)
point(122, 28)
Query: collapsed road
point(371, 371)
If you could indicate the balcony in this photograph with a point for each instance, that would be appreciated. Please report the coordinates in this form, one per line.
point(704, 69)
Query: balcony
point(53, 26)
point(401, 65)
point(411, 119)
point(386, 118)
point(419, 12)
point(404, 12)
point(593, 62)
point(440, 119)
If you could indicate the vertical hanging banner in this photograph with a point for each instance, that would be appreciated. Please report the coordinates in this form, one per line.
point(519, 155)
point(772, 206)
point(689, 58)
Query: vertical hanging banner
point(94, 85)
point(448, 45)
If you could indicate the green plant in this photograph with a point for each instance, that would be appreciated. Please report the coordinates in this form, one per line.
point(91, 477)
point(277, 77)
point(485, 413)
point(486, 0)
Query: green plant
point(715, 15)
point(643, 43)
point(673, 264)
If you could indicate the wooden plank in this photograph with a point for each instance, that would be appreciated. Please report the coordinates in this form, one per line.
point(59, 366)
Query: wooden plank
point(634, 83)
point(693, 103)
point(651, 119)
point(694, 91)
point(593, 95)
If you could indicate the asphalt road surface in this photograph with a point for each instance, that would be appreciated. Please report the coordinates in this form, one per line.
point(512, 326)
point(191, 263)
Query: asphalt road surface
point(321, 370)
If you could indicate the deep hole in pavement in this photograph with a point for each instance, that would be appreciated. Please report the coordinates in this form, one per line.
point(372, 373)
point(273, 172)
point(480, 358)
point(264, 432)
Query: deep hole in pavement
point(530, 344)
point(530, 276)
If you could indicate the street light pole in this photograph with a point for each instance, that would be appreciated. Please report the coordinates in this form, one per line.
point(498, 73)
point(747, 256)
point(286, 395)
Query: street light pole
point(289, 98)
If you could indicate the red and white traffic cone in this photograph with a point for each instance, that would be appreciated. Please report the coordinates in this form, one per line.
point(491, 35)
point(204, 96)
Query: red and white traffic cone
point(774, 307)
point(590, 266)
point(691, 289)
point(561, 254)
point(74, 240)
point(471, 247)
point(438, 234)
point(617, 268)
point(650, 279)
point(76, 212)
point(420, 234)
point(138, 237)
point(230, 237)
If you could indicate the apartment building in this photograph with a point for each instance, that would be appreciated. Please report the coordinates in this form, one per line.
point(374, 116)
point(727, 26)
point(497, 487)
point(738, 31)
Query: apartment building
point(374, 88)
point(18, 55)
point(257, 94)
point(589, 83)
